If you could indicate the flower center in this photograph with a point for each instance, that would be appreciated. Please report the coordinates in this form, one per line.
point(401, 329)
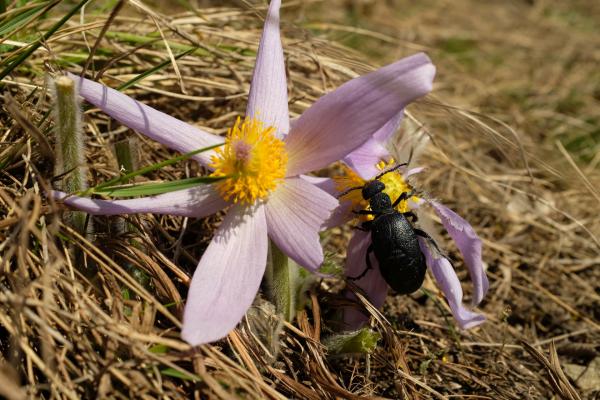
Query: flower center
point(394, 182)
point(395, 185)
point(254, 160)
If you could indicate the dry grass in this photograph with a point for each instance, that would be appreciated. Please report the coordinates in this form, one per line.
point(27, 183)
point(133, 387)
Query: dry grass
point(75, 323)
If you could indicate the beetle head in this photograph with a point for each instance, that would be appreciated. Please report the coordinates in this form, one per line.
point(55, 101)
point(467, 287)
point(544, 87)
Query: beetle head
point(372, 188)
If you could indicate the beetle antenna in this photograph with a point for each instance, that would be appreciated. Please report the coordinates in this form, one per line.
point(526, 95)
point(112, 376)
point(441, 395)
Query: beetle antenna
point(410, 156)
point(345, 192)
point(391, 170)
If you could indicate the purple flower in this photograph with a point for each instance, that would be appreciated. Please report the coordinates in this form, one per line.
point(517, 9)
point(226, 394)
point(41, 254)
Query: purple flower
point(368, 161)
point(265, 197)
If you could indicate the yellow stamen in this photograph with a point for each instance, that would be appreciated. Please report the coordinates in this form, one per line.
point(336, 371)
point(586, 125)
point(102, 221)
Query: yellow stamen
point(395, 185)
point(394, 182)
point(349, 180)
point(253, 158)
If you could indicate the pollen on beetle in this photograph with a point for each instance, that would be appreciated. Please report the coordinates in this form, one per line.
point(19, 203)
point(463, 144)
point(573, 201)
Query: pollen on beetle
point(253, 158)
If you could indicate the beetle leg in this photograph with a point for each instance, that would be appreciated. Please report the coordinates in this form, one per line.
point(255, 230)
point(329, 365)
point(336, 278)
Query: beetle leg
point(412, 215)
point(364, 212)
point(365, 226)
point(403, 196)
point(369, 266)
point(426, 235)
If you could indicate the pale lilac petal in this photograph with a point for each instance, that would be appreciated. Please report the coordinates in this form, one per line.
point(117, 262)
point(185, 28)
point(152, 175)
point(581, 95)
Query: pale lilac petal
point(364, 159)
point(293, 122)
point(268, 98)
point(413, 171)
point(344, 119)
point(158, 126)
point(450, 285)
point(415, 204)
point(469, 245)
point(384, 133)
point(372, 283)
point(323, 183)
point(198, 201)
point(295, 213)
point(227, 277)
point(341, 215)
point(342, 212)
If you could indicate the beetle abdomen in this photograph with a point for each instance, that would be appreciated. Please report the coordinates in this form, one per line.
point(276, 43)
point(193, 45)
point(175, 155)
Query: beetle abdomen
point(396, 247)
point(403, 274)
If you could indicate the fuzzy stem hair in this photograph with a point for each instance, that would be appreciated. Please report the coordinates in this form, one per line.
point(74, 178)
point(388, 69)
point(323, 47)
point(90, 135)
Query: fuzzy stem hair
point(69, 144)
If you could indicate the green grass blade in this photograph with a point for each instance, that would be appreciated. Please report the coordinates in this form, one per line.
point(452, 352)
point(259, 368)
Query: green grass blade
point(35, 45)
point(173, 373)
point(159, 348)
point(127, 177)
point(16, 21)
point(153, 70)
point(154, 188)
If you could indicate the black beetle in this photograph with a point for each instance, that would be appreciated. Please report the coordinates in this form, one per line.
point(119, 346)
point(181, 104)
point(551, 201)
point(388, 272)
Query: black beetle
point(393, 238)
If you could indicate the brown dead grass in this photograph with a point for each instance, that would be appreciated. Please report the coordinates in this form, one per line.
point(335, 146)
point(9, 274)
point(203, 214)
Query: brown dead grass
point(76, 324)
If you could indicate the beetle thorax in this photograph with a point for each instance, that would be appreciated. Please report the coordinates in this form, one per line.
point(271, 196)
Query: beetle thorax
point(380, 202)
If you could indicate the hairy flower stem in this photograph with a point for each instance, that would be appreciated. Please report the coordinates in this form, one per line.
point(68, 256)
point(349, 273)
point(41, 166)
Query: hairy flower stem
point(69, 145)
point(283, 278)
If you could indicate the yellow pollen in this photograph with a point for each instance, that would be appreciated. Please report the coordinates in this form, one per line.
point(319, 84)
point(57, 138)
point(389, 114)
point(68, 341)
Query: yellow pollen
point(254, 160)
point(395, 185)
point(394, 182)
point(348, 180)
